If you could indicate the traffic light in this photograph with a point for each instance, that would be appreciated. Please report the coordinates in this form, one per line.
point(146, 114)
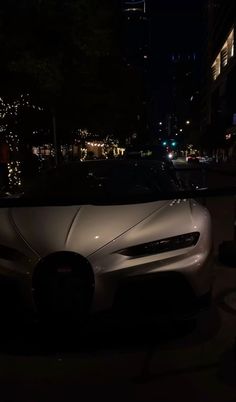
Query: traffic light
point(164, 143)
point(173, 144)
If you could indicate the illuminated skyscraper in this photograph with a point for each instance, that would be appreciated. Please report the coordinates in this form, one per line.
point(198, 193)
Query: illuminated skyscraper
point(135, 31)
point(136, 56)
point(133, 6)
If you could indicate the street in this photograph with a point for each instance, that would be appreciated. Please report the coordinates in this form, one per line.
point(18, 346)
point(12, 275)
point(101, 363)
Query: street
point(143, 362)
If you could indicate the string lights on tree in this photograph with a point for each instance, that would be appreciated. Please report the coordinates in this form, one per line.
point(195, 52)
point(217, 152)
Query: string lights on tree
point(10, 111)
point(81, 135)
point(14, 174)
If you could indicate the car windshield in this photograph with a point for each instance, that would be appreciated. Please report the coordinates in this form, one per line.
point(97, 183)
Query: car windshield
point(104, 182)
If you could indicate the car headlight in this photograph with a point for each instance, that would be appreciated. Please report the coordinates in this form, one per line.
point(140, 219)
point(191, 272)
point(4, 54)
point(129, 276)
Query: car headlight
point(162, 246)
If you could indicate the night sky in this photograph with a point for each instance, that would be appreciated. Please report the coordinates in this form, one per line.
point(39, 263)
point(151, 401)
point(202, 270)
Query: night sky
point(176, 25)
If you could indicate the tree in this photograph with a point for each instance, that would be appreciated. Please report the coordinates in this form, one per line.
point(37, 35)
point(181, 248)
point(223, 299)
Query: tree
point(66, 54)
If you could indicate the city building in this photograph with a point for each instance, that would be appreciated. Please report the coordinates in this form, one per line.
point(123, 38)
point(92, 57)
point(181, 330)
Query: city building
point(135, 50)
point(184, 69)
point(180, 118)
point(219, 120)
point(175, 68)
point(135, 33)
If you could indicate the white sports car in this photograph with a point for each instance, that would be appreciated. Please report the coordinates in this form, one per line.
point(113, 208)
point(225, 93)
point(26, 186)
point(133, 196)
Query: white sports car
point(120, 247)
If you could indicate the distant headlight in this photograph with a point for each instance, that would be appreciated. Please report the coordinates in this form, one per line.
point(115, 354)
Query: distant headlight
point(162, 246)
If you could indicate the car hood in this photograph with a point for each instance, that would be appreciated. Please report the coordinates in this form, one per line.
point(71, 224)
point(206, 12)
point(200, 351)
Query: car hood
point(82, 229)
point(176, 217)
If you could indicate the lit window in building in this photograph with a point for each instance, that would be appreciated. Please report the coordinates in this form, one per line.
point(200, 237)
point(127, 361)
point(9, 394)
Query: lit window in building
point(226, 53)
point(228, 49)
point(216, 67)
point(135, 6)
point(230, 44)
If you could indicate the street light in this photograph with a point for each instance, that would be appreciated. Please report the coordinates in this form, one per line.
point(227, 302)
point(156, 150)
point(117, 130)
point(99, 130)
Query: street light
point(187, 122)
point(181, 130)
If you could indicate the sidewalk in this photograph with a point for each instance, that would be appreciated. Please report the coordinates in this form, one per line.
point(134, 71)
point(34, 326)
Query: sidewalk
point(224, 168)
point(197, 367)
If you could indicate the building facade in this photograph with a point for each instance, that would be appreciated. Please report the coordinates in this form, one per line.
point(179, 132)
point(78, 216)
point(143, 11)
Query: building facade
point(135, 39)
point(135, 49)
point(185, 94)
point(180, 120)
point(220, 116)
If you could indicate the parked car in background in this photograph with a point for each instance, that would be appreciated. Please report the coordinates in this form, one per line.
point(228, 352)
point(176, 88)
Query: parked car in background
point(148, 151)
point(193, 158)
point(205, 159)
point(156, 153)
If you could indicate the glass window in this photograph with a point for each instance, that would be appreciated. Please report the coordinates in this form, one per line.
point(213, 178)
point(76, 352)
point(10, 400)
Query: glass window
point(226, 53)
point(216, 67)
point(104, 181)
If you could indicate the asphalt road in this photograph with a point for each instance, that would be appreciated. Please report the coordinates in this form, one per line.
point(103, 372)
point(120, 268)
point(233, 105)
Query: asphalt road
point(113, 361)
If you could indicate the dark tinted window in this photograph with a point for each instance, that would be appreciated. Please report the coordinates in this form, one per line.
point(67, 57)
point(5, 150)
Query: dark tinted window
point(104, 182)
